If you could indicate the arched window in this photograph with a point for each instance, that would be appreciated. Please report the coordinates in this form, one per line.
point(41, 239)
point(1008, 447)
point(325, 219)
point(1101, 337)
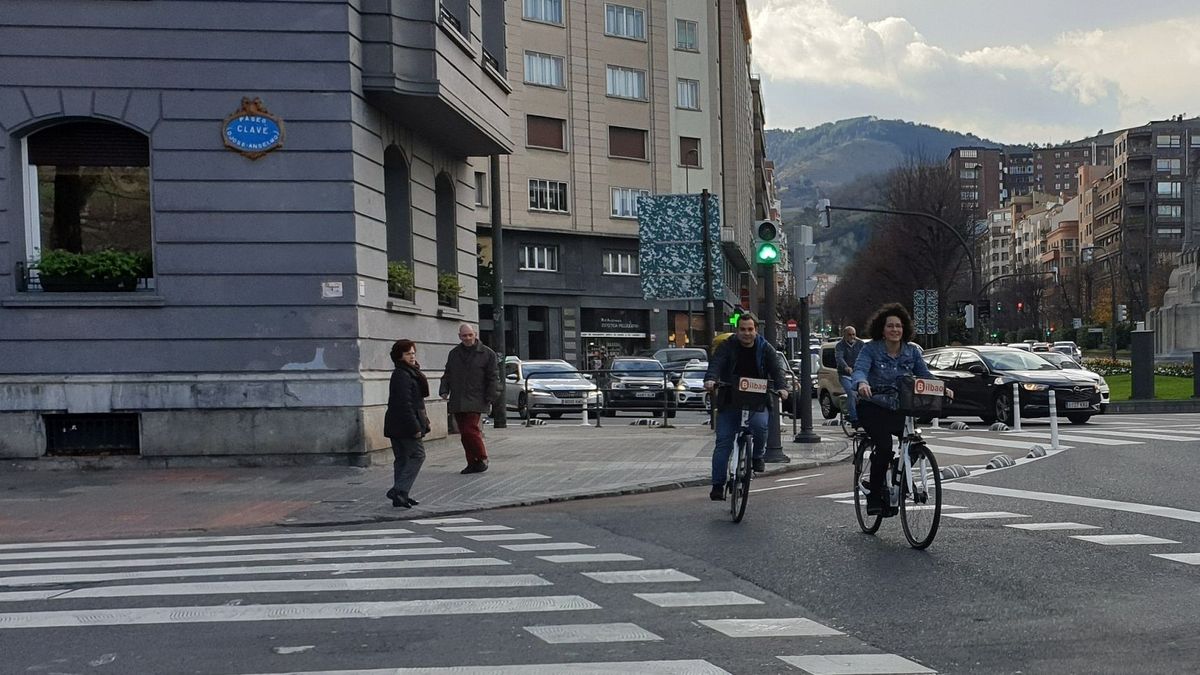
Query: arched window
point(88, 191)
point(447, 240)
point(398, 211)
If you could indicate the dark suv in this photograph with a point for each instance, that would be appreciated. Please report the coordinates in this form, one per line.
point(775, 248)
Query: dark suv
point(982, 379)
point(632, 383)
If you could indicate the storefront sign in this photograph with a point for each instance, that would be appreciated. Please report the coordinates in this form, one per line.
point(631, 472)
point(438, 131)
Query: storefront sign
point(252, 130)
point(624, 323)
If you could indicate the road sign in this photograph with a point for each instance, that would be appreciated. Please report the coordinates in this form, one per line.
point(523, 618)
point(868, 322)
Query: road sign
point(792, 325)
point(969, 315)
point(1077, 323)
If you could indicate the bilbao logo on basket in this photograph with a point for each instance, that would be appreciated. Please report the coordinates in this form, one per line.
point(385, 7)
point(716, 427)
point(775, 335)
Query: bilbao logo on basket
point(752, 385)
point(929, 387)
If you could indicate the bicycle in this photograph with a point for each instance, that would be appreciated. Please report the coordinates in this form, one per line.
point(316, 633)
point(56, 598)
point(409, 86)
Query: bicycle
point(740, 469)
point(917, 498)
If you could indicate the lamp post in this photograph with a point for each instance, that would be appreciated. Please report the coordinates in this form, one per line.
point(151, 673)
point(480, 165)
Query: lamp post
point(687, 188)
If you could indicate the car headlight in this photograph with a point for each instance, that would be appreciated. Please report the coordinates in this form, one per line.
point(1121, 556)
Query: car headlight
point(681, 387)
point(618, 385)
point(1034, 386)
point(593, 395)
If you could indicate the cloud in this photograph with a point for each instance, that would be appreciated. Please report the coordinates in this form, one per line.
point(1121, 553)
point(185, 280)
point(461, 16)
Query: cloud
point(832, 64)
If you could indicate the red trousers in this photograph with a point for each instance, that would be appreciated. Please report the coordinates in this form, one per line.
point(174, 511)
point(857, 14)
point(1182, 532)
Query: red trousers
point(471, 435)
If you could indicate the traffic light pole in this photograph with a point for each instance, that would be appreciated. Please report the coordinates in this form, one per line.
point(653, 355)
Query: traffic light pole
point(806, 434)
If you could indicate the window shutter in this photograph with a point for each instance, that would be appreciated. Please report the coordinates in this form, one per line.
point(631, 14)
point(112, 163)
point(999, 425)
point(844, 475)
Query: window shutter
point(88, 144)
point(546, 132)
point(623, 142)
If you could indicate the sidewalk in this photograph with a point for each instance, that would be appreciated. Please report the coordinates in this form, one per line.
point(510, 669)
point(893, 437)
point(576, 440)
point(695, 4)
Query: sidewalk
point(528, 466)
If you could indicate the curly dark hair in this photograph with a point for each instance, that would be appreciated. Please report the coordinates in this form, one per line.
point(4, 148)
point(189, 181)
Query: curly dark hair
point(400, 348)
point(875, 329)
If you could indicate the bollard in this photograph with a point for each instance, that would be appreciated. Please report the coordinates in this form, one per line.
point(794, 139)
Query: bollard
point(585, 422)
point(936, 423)
point(1053, 422)
point(1195, 374)
point(1016, 407)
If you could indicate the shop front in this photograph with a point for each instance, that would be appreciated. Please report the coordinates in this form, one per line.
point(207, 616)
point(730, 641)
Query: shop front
point(615, 332)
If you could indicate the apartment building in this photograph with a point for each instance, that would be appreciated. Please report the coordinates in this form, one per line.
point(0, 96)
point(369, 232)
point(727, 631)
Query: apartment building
point(1018, 174)
point(1007, 238)
point(611, 101)
point(1055, 167)
point(285, 189)
point(1090, 179)
point(980, 174)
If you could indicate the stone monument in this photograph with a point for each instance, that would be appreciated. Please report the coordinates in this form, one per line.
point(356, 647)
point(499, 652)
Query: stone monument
point(1176, 324)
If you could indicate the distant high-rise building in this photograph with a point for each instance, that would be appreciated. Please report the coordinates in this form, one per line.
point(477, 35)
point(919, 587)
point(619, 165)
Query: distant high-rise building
point(980, 177)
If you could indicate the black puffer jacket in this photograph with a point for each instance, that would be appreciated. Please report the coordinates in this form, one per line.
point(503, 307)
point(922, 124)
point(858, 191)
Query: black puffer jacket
point(406, 416)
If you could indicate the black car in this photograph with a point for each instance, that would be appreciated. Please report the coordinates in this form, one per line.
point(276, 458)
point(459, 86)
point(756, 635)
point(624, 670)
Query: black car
point(632, 383)
point(675, 359)
point(982, 379)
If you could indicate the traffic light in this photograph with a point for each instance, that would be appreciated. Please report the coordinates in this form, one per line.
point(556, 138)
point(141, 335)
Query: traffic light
point(734, 318)
point(1020, 306)
point(1121, 314)
point(823, 209)
point(766, 249)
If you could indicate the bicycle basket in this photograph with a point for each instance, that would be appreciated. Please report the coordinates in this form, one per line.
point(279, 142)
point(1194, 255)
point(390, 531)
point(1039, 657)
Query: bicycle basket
point(920, 397)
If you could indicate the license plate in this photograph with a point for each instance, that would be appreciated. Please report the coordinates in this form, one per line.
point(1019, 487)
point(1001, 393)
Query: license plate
point(1078, 404)
point(646, 394)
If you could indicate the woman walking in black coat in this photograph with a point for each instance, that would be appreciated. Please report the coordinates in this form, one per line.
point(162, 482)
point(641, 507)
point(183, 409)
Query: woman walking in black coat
point(406, 423)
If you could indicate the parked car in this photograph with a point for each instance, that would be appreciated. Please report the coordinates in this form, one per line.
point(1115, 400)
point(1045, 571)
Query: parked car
point(830, 395)
point(1069, 348)
point(633, 383)
point(551, 387)
point(689, 390)
point(1074, 368)
point(674, 359)
point(795, 366)
point(1024, 346)
point(1040, 347)
point(982, 379)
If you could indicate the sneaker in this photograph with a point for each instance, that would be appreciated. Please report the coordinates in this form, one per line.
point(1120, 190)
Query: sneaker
point(760, 465)
point(470, 468)
point(481, 466)
point(718, 493)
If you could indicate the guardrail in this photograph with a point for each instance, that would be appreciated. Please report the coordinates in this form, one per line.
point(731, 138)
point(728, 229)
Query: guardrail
point(655, 392)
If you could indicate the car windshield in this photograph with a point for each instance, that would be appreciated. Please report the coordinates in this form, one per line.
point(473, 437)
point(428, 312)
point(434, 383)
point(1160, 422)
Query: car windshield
point(637, 365)
point(680, 355)
point(558, 371)
point(1061, 360)
point(1015, 360)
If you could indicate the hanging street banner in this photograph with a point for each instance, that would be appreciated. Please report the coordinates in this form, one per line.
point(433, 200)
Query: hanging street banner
point(925, 311)
point(670, 252)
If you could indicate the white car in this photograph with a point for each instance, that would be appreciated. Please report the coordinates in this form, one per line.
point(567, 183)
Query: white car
point(1069, 348)
point(1075, 370)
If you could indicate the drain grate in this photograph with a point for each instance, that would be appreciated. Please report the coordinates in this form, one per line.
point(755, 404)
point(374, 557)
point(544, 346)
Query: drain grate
point(92, 434)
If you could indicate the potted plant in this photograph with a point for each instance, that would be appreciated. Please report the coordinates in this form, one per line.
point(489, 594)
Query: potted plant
point(400, 279)
point(448, 289)
point(106, 270)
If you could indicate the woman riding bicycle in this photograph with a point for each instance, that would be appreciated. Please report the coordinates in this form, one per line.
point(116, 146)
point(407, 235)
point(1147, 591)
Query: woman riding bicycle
point(878, 372)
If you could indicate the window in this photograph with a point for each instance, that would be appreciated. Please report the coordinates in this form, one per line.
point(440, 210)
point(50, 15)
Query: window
point(689, 152)
point(627, 83)
point(1168, 140)
point(88, 189)
point(1170, 231)
point(457, 14)
point(1167, 166)
point(481, 188)
point(548, 11)
point(627, 22)
point(622, 263)
point(688, 94)
point(397, 205)
point(1195, 139)
point(545, 132)
point(1170, 189)
point(1170, 211)
point(624, 201)
point(543, 69)
point(628, 143)
point(539, 258)
point(968, 154)
point(969, 195)
point(969, 174)
point(547, 195)
point(686, 35)
point(445, 215)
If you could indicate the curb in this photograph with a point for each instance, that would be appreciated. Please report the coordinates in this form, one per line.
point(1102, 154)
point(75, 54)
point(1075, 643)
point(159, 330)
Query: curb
point(795, 466)
point(1155, 406)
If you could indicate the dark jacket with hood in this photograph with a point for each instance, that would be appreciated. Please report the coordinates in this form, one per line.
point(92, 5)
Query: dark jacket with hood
point(723, 362)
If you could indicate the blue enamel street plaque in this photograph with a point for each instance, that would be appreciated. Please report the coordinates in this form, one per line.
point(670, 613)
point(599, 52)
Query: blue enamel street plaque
point(252, 130)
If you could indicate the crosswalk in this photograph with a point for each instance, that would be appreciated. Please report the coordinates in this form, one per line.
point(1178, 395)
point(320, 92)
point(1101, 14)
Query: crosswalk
point(564, 595)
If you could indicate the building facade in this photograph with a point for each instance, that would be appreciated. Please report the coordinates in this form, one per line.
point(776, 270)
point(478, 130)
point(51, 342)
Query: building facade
point(612, 101)
point(980, 174)
point(296, 198)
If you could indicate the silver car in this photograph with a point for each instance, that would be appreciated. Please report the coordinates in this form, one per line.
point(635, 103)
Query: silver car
point(552, 387)
point(689, 391)
point(1073, 367)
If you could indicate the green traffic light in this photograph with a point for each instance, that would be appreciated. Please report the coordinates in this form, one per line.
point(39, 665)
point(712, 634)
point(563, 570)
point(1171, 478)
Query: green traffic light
point(766, 253)
point(734, 318)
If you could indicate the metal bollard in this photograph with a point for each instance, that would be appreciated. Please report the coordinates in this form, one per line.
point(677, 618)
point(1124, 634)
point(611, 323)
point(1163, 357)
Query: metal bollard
point(1053, 422)
point(1016, 407)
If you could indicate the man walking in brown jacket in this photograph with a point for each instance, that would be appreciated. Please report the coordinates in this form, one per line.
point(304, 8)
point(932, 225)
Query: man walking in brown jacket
point(471, 382)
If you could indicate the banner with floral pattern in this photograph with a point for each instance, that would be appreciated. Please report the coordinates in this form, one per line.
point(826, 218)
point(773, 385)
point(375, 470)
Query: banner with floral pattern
point(670, 253)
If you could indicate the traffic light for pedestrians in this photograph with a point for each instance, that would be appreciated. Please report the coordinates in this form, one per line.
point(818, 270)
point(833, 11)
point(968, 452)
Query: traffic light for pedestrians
point(1121, 314)
point(1020, 306)
point(734, 318)
point(766, 249)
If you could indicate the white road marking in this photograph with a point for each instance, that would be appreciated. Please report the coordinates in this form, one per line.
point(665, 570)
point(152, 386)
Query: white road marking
point(114, 552)
point(854, 664)
point(516, 536)
point(588, 557)
point(90, 618)
point(335, 568)
point(811, 475)
point(778, 487)
point(1130, 507)
point(1149, 436)
point(640, 576)
point(837, 495)
point(1075, 438)
point(474, 528)
point(698, 599)
point(1052, 526)
point(742, 628)
point(200, 540)
point(581, 633)
point(954, 450)
point(249, 557)
point(1122, 539)
point(349, 584)
point(445, 521)
point(292, 650)
point(547, 546)
point(687, 667)
point(981, 515)
point(1001, 441)
point(1185, 558)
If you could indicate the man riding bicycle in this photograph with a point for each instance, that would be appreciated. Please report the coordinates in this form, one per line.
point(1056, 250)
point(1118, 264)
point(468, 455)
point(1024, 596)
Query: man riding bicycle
point(846, 353)
point(748, 356)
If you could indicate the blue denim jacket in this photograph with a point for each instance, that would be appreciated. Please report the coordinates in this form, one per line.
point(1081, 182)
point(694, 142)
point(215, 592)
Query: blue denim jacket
point(883, 372)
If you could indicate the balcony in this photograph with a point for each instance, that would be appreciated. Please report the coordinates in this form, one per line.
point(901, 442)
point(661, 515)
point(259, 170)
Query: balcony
point(424, 67)
point(1135, 197)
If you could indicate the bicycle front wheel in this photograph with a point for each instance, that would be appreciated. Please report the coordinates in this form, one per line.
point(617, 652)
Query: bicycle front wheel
point(921, 509)
point(740, 485)
point(862, 471)
point(847, 428)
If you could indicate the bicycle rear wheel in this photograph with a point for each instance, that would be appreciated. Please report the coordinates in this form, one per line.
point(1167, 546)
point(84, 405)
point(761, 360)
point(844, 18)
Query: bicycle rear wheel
point(921, 509)
point(862, 470)
point(740, 485)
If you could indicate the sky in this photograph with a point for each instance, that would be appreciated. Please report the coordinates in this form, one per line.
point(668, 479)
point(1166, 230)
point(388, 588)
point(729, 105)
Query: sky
point(1012, 71)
